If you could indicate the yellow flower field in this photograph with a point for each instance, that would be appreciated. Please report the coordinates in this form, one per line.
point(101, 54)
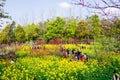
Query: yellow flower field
point(54, 68)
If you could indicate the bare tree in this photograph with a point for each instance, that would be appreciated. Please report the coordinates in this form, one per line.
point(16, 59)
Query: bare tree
point(24, 19)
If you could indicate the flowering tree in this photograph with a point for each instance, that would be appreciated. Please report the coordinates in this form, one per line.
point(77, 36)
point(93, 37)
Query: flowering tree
point(107, 8)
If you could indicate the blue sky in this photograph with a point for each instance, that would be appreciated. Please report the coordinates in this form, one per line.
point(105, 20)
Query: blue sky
point(27, 11)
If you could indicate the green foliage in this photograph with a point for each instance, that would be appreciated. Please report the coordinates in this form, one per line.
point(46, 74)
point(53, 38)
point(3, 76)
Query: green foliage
point(42, 26)
point(32, 32)
point(19, 33)
point(95, 26)
point(7, 34)
point(116, 33)
point(49, 31)
point(2, 65)
point(116, 29)
point(67, 30)
point(4, 35)
point(82, 30)
point(2, 12)
point(115, 62)
point(11, 33)
point(108, 43)
point(70, 29)
point(55, 28)
point(106, 28)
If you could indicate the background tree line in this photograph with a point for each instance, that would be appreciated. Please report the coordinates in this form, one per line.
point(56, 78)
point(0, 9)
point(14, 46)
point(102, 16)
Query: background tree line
point(91, 28)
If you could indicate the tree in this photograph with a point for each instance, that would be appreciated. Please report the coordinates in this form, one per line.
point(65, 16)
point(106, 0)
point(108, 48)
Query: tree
point(70, 29)
point(42, 26)
point(102, 6)
point(7, 34)
point(19, 33)
point(116, 29)
point(3, 14)
point(82, 30)
point(59, 25)
point(49, 31)
point(106, 28)
point(116, 33)
point(55, 28)
point(94, 26)
point(111, 10)
point(11, 33)
point(4, 38)
point(32, 32)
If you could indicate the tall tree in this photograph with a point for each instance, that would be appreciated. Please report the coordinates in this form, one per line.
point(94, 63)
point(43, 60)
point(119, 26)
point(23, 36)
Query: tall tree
point(11, 33)
point(19, 33)
point(32, 32)
point(106, 27)
point(116, 29)
point(55, 28)
point(95, 26)
point(82, 30)
point(4, 38)
point(42, 26)
point(3, 14)
point(7, 34)
point(70, 29)
point(116, 33)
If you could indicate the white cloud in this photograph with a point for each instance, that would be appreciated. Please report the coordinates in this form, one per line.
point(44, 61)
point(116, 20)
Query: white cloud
point(64, 5)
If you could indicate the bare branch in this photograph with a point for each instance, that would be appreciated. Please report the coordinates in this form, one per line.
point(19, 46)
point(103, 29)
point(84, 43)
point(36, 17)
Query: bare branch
point(102, 6)
point(96, 6)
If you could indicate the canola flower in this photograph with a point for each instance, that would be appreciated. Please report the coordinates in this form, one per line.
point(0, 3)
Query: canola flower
point(52, 68)
point(47, 49)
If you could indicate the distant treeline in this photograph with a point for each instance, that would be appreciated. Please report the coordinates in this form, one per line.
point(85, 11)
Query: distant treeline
point(62, 30)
